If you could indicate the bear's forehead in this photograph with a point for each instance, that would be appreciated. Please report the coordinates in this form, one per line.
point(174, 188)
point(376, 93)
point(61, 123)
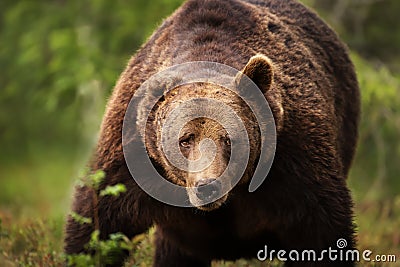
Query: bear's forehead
point(204, 124)
point(202, 90)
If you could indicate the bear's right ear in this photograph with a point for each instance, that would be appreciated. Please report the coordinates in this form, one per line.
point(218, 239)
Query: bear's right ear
point(259, 69)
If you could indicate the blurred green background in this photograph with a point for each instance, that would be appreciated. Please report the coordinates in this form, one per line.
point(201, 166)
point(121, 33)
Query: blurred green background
point(59, 61)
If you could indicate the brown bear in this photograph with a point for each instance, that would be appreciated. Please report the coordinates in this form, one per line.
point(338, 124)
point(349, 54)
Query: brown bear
point(305, 74)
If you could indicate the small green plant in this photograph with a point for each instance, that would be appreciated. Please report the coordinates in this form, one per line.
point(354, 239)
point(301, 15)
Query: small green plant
point(115, 190)
point(80, 219)
point(105, 251)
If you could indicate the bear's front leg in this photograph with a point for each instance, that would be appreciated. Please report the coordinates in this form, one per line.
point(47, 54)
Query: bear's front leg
point(168, 254)
point(324, 235)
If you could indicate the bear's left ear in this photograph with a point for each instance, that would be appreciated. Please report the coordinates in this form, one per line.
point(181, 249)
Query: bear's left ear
point(260, 70)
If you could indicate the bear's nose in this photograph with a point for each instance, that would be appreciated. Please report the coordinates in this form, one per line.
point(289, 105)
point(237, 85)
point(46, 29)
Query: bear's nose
point(208, 189)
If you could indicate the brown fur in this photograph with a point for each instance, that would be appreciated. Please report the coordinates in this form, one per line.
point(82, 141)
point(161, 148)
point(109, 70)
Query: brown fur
point(304, 203)
point(201, 129)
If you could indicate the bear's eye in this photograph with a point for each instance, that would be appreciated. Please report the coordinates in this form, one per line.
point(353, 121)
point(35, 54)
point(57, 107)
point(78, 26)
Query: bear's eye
point(186, 142)
point(228, 141)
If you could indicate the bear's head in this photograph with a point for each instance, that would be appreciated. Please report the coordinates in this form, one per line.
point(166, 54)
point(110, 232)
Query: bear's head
point(203, 119)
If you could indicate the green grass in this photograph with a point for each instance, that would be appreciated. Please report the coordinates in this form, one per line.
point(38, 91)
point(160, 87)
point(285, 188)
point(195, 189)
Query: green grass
point(35, 197)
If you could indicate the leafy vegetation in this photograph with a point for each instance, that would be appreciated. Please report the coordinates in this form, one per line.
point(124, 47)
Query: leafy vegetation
point(59, 62)
point(369, 26)
point(375, 171)
point(105, 251)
